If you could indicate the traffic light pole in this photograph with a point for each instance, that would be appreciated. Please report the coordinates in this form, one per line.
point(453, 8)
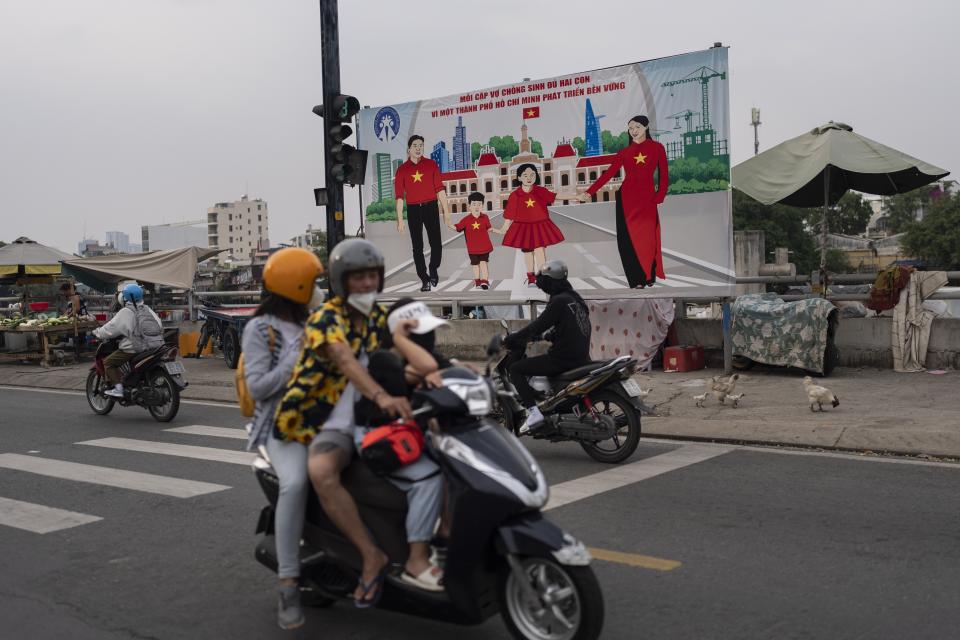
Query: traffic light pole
point(330, 52)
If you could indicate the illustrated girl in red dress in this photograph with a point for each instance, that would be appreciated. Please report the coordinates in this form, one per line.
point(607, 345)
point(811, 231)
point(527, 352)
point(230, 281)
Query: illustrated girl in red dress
point(528, 226)
point(638, 222)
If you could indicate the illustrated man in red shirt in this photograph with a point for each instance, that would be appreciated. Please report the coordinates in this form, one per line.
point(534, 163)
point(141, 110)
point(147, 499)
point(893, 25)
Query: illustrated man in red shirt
point(475, 227)
point(418, 183)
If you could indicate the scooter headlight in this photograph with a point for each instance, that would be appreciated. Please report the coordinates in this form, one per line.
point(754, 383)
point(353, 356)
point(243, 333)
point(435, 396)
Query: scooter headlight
point(475, 394)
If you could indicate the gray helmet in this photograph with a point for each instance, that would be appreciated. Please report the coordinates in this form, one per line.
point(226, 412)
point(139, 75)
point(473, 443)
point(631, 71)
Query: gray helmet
point(353, 254)
point(556, 269)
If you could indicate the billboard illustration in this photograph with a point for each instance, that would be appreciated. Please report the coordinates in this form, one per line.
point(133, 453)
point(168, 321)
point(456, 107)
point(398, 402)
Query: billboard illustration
point(621, 172)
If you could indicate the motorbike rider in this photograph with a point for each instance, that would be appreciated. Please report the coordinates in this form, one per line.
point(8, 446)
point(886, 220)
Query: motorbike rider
point(272, 341)
point(129, 325)
point(568, 317)
point(338, 336)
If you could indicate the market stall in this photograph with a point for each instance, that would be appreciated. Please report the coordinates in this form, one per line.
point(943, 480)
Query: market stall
point(47, 331)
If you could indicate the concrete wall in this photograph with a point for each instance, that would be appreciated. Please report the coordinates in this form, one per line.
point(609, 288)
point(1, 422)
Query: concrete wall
point(861, 341)
point(749, 254)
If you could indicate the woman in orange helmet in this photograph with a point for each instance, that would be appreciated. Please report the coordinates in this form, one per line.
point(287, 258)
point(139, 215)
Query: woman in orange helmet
point(272, 342)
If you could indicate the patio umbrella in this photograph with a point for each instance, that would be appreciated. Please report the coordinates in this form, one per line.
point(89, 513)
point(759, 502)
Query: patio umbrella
point(818, 167)
point(24, 257)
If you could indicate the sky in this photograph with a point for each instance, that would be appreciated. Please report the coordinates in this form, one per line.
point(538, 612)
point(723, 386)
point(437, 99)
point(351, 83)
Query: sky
point(121, 113)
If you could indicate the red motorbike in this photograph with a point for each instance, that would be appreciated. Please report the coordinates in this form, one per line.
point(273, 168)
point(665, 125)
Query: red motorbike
point(152, 379)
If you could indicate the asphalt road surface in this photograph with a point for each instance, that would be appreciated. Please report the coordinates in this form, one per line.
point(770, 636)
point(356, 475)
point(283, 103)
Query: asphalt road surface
point(690, 540)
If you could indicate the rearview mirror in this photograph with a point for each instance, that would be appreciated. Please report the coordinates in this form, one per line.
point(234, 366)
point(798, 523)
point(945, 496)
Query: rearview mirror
point(496, 344)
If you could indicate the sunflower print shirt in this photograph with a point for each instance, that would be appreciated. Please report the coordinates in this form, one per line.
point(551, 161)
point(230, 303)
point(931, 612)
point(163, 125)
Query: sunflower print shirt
point(316, 384)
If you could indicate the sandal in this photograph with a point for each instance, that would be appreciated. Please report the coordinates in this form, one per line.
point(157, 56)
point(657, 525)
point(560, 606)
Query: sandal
point(377, 583)
point(430, 579)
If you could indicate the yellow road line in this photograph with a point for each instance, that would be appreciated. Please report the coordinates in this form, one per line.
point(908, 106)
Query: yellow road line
point(635, 559)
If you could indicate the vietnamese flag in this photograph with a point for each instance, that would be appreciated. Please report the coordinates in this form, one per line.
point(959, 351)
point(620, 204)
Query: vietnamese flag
point(531, 112)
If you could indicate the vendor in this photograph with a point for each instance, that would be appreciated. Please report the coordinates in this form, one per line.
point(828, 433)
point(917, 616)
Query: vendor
point(76, 305)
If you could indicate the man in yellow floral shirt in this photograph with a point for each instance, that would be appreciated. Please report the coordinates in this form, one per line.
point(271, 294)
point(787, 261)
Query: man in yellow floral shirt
point(338, 336)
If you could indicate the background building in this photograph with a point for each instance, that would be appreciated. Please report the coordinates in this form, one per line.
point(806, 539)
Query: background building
point(441, 156)
point(119, 240)
point(177, 235)
point(461, 148)
point(240, 227)
point(383, 184)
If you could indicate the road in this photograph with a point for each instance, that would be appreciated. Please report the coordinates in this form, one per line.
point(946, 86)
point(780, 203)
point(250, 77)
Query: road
point(697, 540)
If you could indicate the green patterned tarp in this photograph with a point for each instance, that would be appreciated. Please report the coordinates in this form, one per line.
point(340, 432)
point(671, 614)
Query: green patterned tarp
point(792, 334)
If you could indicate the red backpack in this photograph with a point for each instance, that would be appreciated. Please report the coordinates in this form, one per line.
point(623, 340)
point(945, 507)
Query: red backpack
point(387, 448)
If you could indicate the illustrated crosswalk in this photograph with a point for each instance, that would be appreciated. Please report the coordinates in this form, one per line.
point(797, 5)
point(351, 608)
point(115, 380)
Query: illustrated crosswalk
point(594, 283)
point(43, 519)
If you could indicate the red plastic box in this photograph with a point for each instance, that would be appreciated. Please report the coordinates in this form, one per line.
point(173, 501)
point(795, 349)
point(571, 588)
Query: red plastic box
point(683, 358)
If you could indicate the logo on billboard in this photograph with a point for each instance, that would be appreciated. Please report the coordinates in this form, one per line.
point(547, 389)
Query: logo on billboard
point(386, 124)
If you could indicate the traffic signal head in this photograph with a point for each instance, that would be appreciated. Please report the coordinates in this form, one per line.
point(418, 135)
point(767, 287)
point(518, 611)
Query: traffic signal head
point(347, 164)
point(345, 107)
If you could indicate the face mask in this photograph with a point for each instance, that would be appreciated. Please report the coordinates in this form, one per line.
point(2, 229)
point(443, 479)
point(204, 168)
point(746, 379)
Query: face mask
point(362, 302)
point(316, 299)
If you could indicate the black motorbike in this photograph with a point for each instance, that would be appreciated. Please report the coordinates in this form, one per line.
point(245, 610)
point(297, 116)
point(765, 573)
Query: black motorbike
point(153, 379)
point(503, 554)
point(597, 405)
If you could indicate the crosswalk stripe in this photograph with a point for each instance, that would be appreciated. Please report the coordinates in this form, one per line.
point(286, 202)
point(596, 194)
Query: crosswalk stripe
point(459, 286)
point(216, 432)
point(133, 480)
point(606, 284)
point(700, 281)
point(674, 282)
point(413, 287)
point(38, 518)
point(580, 285)
point(168, 449)
point(396, 287)
point(589, 486)
point(505, 285)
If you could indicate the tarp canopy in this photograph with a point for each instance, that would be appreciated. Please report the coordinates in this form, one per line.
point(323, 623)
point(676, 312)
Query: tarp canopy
point(828, 161)
point(173, 268)
point(24, 257)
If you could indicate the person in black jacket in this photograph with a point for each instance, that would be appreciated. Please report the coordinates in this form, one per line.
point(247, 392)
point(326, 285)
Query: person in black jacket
point(568, 321)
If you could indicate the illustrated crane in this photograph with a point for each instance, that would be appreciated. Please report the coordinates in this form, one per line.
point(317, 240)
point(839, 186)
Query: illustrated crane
point(687, 117)
point(703, 75)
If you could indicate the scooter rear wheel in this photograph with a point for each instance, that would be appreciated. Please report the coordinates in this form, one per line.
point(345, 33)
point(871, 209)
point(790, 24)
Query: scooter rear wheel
point(627, 435)
point(568, 604)
point(164, 384)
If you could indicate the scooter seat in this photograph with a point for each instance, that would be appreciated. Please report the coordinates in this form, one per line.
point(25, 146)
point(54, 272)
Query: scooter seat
point(579, 372)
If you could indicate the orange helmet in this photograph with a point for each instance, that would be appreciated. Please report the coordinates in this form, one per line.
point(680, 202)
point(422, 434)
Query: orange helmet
point(290, 273)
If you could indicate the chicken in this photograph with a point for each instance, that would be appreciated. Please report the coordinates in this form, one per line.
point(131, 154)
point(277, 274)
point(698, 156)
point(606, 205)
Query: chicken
point(721, 388)
point(700, 399)
point(818, 395)
point(735, 399)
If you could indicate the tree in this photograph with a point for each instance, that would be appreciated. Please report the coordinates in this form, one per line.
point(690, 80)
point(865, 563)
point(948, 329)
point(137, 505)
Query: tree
point(612, 143)
point(902, 209)
point(850, 216)
point(580, 145)
point(384, 210)
point(936, 238)
point(838, 261)
point(505, 146)
point(536, 148)
point(475, 152)
point(783, 226)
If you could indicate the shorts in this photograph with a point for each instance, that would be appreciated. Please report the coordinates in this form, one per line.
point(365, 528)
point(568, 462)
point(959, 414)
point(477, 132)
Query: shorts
point(477, 258)
point(330, 438)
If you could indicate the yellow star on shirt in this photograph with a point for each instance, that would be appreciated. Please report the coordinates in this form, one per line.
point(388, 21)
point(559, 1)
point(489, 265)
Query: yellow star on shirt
point(530, 202)
point(640, 158)
point(476, 226)
point(417, 177)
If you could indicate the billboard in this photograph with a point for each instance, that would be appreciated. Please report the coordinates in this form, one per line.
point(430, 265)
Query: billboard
point(571, 128)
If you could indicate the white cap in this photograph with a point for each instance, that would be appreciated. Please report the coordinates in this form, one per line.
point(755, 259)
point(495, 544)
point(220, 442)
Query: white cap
point(426, 321)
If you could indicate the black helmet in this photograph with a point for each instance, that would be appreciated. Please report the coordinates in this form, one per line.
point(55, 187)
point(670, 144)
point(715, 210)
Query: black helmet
point(353, 254)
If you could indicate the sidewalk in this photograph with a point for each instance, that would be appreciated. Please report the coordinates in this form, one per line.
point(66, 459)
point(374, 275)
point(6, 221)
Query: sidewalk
point(880, 411)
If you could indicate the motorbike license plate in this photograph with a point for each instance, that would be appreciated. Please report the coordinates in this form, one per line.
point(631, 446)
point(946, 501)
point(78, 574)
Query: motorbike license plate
point(173, 368)
point(631, 387)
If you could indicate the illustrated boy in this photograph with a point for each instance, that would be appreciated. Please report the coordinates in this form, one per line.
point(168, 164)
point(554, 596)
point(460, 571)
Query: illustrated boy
point(475, 226)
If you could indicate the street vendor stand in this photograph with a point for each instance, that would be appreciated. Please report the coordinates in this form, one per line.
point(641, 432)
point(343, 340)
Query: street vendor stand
point(228, 324)
point(44, 334)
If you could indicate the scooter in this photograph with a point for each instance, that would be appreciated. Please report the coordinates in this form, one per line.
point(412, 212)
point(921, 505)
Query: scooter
point(597, 405)
point(503, 554)
point(152, 379)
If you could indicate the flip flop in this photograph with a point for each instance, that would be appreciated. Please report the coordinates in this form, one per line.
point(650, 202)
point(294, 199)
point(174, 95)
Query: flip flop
point(364, 602)
point(427, 580)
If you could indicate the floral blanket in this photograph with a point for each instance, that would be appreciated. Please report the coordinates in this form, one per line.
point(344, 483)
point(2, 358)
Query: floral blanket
point(766, 329)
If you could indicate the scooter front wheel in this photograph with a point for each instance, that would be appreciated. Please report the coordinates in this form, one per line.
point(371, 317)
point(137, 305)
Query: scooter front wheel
point(558, 602)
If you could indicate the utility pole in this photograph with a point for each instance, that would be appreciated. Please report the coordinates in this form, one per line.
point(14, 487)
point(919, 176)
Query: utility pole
point(755, 122)
point(330, 71)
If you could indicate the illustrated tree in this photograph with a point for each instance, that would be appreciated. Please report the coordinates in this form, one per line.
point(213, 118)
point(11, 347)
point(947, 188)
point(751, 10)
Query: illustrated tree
point(580, 145)
point(936, 238)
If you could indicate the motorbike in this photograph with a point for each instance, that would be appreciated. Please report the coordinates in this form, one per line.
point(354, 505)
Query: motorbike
point(153, 379)
point(597, 406)
point(503, 555)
